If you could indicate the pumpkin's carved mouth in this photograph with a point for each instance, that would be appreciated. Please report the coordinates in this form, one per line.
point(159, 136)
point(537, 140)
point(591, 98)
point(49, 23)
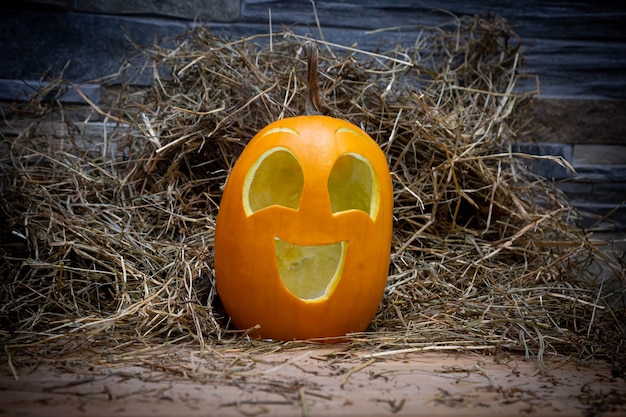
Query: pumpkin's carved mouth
point(310, 273)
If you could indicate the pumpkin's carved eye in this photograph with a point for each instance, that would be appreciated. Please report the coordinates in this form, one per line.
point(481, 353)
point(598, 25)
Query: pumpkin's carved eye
point(276, 178)
point(352, 185)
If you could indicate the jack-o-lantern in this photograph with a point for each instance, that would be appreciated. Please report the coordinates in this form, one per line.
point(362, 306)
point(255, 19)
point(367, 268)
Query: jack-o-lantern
point(303, 233)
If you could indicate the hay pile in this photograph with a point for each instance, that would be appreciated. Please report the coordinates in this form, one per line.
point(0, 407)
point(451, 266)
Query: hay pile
point(108, 235)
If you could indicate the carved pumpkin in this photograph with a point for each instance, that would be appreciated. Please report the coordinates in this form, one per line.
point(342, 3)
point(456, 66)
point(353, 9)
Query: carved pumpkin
point(303, 232)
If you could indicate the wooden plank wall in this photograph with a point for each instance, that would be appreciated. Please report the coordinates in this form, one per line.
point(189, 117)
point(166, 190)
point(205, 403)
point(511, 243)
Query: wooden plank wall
point(577, 48)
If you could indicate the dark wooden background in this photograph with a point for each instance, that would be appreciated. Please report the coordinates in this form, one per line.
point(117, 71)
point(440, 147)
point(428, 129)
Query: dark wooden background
point(576, 48)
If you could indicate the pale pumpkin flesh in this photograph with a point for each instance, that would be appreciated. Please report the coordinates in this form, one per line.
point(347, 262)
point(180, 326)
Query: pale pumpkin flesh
point(275, 179)
point(310, 272)
point(352, 185)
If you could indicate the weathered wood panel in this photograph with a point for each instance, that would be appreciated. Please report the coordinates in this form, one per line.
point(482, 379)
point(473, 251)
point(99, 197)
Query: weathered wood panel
point(598, 188)
point(539, 19)
point(84, 46)
point(578, 48)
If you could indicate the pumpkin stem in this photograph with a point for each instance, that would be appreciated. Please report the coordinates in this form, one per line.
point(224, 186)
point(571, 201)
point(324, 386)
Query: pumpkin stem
point(312, 104)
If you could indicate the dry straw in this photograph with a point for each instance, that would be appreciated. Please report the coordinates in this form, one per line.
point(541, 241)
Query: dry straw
point(108, 213)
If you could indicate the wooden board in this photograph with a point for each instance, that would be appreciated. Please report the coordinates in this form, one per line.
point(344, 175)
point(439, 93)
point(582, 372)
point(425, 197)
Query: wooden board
point(577, 48)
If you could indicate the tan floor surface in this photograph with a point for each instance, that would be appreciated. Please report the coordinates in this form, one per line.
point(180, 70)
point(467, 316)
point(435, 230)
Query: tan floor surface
point(315, 382)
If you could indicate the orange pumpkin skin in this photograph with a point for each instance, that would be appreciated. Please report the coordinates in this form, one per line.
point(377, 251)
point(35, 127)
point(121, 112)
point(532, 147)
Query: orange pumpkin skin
point(246, 271)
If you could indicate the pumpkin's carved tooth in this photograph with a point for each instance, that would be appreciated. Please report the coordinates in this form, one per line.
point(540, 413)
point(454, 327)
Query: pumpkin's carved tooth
point(310, 272)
